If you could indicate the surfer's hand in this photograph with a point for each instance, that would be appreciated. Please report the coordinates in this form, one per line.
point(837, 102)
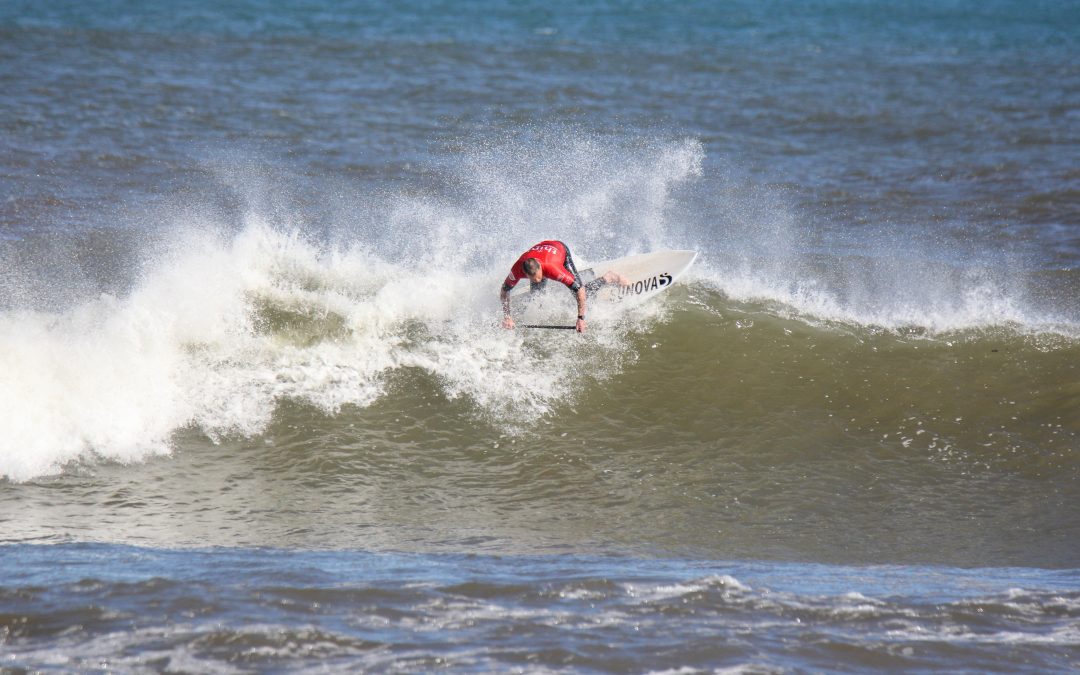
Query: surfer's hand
point(508, 323)
point(580, 326)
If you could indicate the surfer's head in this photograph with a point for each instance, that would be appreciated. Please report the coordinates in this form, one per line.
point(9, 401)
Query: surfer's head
point(533, 270)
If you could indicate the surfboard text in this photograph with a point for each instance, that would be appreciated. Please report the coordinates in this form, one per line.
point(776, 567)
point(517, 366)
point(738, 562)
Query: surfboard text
point(645, 285)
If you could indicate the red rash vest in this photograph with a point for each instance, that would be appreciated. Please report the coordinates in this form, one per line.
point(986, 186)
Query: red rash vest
point(554, 261)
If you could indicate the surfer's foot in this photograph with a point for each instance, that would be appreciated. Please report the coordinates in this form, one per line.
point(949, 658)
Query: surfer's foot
point(615, 278)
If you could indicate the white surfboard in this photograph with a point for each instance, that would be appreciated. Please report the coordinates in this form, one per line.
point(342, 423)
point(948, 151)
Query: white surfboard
point(646, 276)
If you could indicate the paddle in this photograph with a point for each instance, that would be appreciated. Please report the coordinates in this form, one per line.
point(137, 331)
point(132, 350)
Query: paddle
point(536, 325)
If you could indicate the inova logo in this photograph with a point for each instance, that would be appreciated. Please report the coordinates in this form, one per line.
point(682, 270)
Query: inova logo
point(645, 285)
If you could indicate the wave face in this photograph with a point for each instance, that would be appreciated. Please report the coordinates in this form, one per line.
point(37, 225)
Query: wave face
point(880, 391)
point(225, 321)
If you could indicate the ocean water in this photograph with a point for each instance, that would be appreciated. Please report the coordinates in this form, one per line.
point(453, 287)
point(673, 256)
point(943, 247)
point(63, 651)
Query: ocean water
point(257, 413)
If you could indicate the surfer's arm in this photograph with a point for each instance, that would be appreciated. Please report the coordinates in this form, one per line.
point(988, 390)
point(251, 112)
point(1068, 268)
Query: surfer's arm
point(580, 325)
point(504, 296)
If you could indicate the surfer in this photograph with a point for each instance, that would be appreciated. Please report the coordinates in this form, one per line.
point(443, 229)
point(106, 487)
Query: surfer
point(551, 259)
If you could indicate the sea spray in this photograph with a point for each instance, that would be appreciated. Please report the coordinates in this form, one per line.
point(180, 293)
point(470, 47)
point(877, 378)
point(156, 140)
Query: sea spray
point(760, 245)
point(225, 320)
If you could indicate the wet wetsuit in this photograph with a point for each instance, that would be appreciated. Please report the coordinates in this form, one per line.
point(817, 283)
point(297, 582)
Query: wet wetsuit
point(555, 261)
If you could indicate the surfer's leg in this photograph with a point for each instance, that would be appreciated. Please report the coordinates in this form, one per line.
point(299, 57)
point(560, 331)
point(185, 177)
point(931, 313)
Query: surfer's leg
point(612, 277)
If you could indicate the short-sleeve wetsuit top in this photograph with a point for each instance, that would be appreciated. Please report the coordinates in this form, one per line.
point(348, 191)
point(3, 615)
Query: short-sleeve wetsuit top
point(555, 261)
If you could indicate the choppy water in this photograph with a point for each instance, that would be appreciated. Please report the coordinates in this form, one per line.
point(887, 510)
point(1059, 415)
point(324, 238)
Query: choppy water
point(257, 412)
point(120, 608)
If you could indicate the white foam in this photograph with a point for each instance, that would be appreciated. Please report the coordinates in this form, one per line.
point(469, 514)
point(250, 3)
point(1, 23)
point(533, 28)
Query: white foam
point(941, 306)
point(660, 592)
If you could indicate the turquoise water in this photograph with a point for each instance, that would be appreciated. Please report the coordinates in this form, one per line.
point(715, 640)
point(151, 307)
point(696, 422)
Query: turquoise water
point(258, 414)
